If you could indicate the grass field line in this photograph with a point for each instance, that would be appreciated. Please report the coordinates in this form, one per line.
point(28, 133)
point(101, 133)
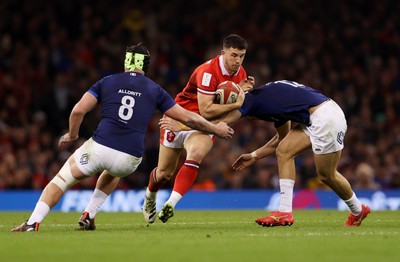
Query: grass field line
point(323, 234)
point(144, 223)
point(187, 223)
point(267, 232)
point(44, 224)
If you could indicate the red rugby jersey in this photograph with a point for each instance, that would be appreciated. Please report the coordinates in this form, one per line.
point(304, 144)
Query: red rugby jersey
point(205, 79)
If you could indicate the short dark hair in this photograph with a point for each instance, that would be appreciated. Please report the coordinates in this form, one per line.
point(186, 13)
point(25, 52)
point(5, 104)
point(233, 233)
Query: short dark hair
point(235, 41)
point(139, 49)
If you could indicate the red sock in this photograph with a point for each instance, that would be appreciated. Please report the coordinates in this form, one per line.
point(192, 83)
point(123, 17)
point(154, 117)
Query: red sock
point(186, 177)
point(154, 184)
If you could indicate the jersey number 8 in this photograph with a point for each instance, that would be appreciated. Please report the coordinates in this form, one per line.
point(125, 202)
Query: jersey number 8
point(125, 111)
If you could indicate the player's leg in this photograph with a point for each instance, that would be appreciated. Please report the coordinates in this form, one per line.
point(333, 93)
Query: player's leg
point(167, 163)
point(68, 175)
point(197, 146)
point(295, 142)
point(112, 168)
point(171, 145)
point(105, 185)
point(327, 135)
point(326, 165)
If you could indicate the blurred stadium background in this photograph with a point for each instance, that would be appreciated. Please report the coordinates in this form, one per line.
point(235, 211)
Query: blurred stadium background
point(51, 52)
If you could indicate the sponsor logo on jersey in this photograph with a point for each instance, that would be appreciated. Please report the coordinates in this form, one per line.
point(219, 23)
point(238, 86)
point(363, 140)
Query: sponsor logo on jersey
point(205, 81)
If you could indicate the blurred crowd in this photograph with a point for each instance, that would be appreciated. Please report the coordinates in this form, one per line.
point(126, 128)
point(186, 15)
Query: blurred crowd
point(51, 52)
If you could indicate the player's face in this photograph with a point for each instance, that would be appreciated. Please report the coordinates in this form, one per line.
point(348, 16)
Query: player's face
point(233, 59)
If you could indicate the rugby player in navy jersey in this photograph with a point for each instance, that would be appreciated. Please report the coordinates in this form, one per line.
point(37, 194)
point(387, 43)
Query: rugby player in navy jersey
point(321, 125)
point(128, 102)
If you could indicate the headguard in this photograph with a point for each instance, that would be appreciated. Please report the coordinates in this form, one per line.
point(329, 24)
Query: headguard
point(137, 56)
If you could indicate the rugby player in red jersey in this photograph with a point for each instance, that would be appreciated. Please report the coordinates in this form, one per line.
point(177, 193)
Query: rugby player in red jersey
point(197, 96)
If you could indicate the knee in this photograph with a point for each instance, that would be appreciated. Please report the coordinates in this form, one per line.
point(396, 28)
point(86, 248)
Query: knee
point(164, 174)
point(326, 177)
point(64, 179)
point(283, 153)
point(196, 155)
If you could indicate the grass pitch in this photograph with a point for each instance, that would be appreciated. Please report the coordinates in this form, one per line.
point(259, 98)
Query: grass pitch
point(317, 235)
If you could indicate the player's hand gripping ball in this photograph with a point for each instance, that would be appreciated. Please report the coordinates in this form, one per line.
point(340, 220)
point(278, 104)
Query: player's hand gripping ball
point(226, 93)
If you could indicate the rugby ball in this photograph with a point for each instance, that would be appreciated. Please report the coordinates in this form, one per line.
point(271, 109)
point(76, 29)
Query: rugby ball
point(226, 93)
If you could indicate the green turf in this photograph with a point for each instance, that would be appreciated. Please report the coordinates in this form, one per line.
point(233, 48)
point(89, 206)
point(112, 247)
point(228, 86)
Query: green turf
point(317, 235)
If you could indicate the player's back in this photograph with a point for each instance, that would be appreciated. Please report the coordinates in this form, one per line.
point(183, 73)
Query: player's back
point(128, 102)
point(290, 94)
point(283, 100)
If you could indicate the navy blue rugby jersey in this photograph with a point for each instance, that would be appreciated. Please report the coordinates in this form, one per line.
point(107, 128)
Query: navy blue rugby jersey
point(128, 101)
point(281, 101)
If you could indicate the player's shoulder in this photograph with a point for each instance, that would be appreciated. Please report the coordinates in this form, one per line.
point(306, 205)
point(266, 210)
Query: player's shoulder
point(140, 77)
point(112, 78)
point(211, 65)
point(210, 69)
point(116, 75)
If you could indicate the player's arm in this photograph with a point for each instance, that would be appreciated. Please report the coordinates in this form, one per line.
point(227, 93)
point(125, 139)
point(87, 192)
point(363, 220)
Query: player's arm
point(209, 110)
point(198, 122)
point(87, 103)
point(269, 148)
point(173, 125)
point(230, 117)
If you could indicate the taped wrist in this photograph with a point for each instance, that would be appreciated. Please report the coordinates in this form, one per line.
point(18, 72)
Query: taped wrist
point(254, 155)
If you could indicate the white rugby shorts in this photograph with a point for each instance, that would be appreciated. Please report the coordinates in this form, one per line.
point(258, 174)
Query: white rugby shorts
point(328, 128)
point(92, 158)
point(173, 139)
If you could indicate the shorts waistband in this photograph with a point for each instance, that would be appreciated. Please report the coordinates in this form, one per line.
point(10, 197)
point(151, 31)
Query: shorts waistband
point(313, 108)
